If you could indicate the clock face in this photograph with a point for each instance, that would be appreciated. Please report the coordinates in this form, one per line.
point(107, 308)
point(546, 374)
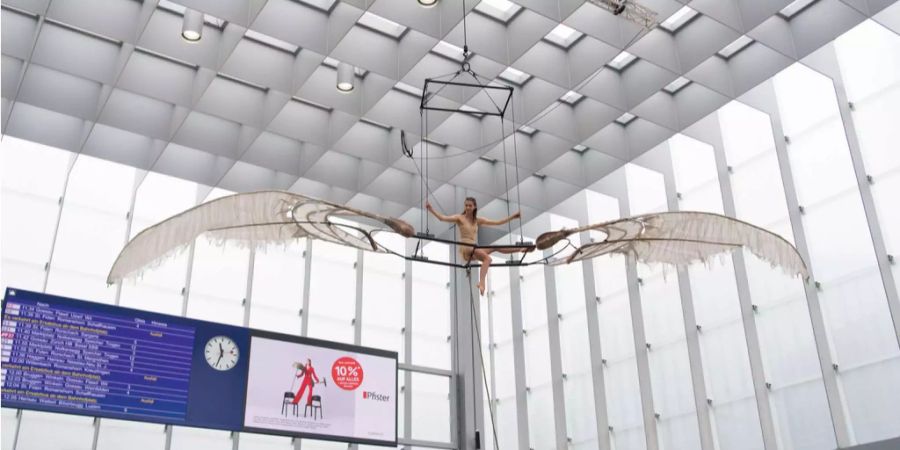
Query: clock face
point(221, 353)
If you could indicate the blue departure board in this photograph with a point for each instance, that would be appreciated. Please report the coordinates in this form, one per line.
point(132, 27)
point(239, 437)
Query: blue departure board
point(70, 357)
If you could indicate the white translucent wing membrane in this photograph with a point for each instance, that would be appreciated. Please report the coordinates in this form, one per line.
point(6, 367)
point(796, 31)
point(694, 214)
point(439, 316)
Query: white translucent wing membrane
point(253, 219)
point(258, 219)
point(680, 239)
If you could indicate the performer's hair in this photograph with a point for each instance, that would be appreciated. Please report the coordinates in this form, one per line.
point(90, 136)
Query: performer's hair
point(474, 202)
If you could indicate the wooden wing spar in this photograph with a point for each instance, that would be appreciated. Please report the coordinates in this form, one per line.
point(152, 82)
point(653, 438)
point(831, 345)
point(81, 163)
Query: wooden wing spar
point(680, 239)
point(252, 219)
point(258, 219)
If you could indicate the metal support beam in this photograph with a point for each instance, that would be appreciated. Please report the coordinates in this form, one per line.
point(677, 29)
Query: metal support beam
point(357, 316)
point(470, 408)
point(407, 350)
point(641, 357)
point(865, 190)
point(751, 334)
point(518, 341)
point(307, 282)
point(492, 376)
point(556, 374)
point(823, 347)
point(596, 351)
point(691, 333)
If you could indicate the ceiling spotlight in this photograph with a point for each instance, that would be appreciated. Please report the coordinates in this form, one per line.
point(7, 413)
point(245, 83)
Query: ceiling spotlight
point(192, 28)
point(428, 3)
point(345, 77)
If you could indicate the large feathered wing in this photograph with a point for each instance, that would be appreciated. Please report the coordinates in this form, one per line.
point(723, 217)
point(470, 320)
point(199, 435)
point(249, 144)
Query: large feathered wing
point(680, 239)
point(251, 219)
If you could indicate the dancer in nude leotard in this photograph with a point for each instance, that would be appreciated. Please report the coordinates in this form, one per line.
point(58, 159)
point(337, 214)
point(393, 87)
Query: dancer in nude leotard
point(468, 223)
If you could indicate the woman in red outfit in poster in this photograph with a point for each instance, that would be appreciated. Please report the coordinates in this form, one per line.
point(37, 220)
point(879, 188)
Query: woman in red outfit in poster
point(309, 378)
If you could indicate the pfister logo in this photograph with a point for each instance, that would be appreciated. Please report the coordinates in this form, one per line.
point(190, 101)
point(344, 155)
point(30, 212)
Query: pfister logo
point(369, 395)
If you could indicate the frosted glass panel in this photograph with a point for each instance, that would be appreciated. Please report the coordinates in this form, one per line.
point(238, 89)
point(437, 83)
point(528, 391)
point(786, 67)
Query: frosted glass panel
point(383, 302)
point(537, 351)
point(69, 432)
point(250, 441)
point(277, 293)
point(159, 288)
point(782, 319)
point(218, 282)
point(431, 304)
point(332, 292)
point(431, 407)
point(116, 434)
point(853, 299)
point(91, 229)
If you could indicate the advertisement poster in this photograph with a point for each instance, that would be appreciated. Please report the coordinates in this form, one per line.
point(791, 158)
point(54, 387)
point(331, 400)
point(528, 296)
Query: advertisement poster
point(298, 388)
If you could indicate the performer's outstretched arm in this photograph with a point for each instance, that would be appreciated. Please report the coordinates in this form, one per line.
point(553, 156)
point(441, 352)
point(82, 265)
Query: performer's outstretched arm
point(491, 222)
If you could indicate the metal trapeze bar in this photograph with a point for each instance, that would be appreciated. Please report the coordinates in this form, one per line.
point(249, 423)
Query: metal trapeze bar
point(431, 237)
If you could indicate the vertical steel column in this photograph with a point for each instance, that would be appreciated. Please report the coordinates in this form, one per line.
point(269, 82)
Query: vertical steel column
point(307, 271)
point(248, 300)
point(357, 315)
point(556, 375)
point(492, 376)
point(641, 357)
point(515, 300)
point(691, 332)
point(823, 347)
point(129, 220)
point(470, 412)
point(62, 200)
point(185, 296)
point(593, 328)
point(407, 350)
point(751, 335)
point(865, 191)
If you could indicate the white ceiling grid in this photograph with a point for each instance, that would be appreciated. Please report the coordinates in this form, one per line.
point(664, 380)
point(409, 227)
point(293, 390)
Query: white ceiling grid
point(253, 104)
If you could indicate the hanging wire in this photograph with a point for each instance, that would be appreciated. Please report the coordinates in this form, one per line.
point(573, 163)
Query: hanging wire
point(516, 155)
point(543, 113)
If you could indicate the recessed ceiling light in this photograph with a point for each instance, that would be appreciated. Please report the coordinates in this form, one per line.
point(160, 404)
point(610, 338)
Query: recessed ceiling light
point(622, 60)
point(795, 7)
point(192, 27)
point(324, 5)
point(677, 85)
point(677, 20)
point(448, 50)
point(428, 3)
point(381, 25)
point(528, 130)
point(271, 42)
point(563, 36)
point(501, 10)
point(580, 148)
point(626, 118)
point(734, 47)
point(515, 76)
point(571, 97)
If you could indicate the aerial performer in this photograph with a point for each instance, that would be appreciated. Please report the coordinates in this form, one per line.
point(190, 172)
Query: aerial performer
point(467, 223)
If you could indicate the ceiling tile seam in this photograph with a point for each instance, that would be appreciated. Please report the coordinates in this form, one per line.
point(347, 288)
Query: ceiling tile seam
point(26, 64)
